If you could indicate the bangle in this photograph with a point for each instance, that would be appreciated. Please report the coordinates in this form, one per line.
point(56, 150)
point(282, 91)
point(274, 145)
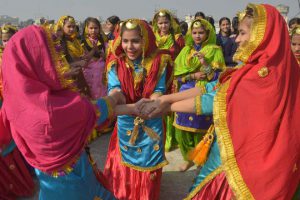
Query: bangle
point(198, 105)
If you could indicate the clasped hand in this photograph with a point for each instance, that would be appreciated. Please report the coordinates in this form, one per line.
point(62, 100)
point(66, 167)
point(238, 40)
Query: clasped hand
point(144, 108)
point(151, 108)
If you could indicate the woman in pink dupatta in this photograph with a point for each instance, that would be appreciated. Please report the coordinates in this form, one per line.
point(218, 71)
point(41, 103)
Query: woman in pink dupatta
point(50, 121)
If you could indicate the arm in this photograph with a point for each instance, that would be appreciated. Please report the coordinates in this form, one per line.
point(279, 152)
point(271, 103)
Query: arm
point(199, 104)
point(171, 98)
point(125, 109)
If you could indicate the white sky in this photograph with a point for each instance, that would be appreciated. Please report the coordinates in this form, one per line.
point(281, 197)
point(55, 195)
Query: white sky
point(80, 9)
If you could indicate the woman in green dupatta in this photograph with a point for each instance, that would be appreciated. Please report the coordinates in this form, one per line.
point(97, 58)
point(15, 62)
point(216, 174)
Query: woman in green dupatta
point(198, 63)
point(168, 37)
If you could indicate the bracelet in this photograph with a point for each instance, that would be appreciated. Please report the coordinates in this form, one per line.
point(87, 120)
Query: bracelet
point(198, 105)
point(193, 76)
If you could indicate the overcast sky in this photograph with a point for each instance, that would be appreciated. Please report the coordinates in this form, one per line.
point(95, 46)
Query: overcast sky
point(80, 9)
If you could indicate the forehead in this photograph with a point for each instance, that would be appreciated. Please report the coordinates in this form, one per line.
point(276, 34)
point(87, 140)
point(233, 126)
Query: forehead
point(131, 34)
point(92, 24)
point(68, 23)
point(296, 38)
point(198, 29)
point(162, 19)
point(225, 21)
point(6, 35)
point(245, 24)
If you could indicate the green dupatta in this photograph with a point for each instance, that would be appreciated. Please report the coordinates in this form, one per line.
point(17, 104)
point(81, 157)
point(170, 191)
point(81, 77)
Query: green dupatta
point(186, 63)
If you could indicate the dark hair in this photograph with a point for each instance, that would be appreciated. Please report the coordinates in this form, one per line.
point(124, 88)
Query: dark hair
point(100, 37)
point(114, 19)
point(184, 27)
point(295, 20)
point(211, 20)
point(200, 14)
point(225, 19)
point(235, 25)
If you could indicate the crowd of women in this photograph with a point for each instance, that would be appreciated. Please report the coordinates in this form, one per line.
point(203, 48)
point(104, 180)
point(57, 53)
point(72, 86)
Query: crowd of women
point(229, 100)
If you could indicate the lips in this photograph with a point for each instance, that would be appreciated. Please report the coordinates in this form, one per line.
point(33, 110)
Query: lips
point(297, 55)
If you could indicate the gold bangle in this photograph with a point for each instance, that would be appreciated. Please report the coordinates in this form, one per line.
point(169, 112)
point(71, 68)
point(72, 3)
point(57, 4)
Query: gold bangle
point(198, 105)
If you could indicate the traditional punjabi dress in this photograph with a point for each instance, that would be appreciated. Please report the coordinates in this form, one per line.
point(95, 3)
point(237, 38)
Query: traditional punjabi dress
point(136, 151)
point(49, 120)
point(73, 51)
point(256, 150)
point(173, 43)
point(16, 180)
point(95, 71)
point(190, 128)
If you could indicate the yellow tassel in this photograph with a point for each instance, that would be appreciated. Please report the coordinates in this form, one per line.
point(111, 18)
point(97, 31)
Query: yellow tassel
point(134, 134)
point(55, 174)
point(200, 153)
point(201, 157)
point(193, 153)
point(68, 170)
point(151, 133)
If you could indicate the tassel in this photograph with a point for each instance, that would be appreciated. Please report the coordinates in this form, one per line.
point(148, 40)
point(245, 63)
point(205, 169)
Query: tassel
point(199, 154)
point(201, 157)
point(151, 133)
point(135, 131)
point(193, 153)
point(134, 134)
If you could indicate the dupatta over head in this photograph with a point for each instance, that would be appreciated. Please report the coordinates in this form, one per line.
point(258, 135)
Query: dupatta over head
point(154, 61)
point(49, 122)
point(257, 112)
point(186, 62)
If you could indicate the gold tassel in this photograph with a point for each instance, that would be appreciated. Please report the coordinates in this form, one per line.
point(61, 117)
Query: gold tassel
point(134, 134)
point(199, 154)
point(151, 133)
point(137, 121)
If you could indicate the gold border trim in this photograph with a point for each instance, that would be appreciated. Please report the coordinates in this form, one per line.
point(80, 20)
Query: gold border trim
point(189, 129)
point(145, 169)
point(198, 104)
point(207, 179)
point(256, 36)
point(233, 174)
point(60, 63)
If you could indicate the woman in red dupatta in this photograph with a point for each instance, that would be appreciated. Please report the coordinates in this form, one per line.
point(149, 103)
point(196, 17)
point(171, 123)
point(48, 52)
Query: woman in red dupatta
point(136, 152)
point(256, 151)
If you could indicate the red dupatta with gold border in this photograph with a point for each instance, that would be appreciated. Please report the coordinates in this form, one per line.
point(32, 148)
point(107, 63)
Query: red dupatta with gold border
point(257, 112)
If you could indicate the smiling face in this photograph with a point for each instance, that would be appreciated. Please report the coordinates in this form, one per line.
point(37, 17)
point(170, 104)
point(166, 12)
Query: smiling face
point(199, 35)
point(225, 27)
point(164, 25)
point(244, 32)
point(132, 43)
